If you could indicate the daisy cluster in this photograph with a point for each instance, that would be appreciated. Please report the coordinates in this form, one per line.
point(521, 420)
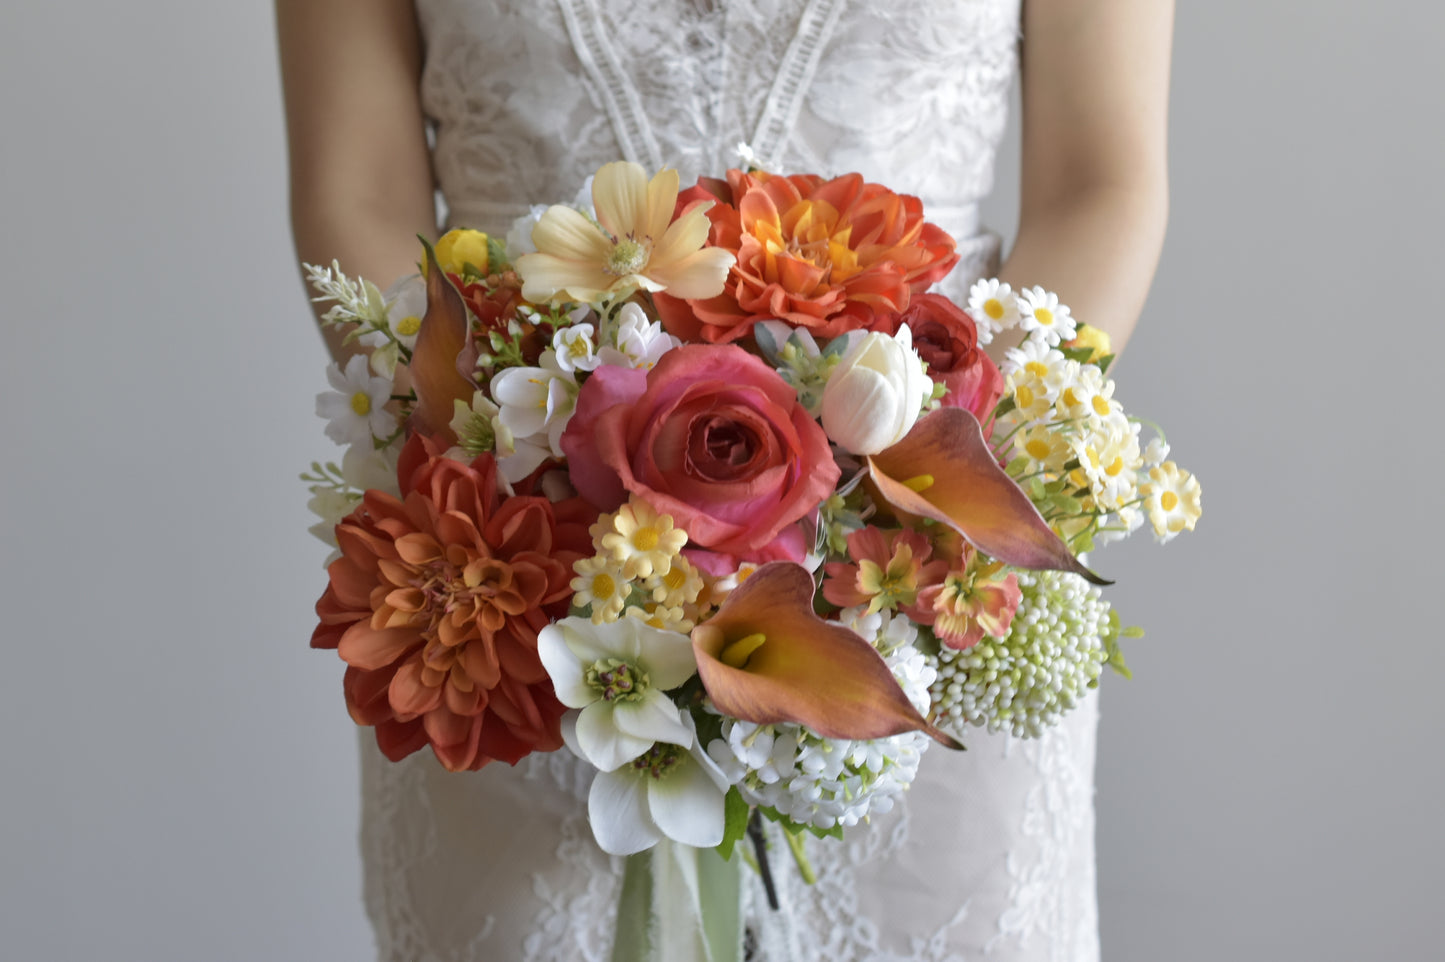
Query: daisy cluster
point(1069, 440)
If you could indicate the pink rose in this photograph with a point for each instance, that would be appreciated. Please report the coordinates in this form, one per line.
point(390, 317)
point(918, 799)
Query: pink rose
point(946, 338)
point(713, 437)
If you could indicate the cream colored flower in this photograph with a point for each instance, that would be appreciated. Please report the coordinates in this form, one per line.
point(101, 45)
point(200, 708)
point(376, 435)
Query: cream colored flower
point(634, 243)
point(601, 584)
point(1172, 500)
point(642, 541)
point(680, 586)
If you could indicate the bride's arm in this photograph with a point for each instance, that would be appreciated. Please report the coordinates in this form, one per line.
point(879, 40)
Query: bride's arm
point(1094, 185)
point(361, 181)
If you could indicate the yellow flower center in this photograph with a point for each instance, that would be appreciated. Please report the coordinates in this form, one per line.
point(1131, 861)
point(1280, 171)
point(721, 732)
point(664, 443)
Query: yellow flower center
point(675, 578)
point(361, 403)
point(1070, 398)
point(737, 653)
point(645, 538)
point(993, 308)
point(1100, 405)
point(408, 325)
point(603, 587)
point(919, 483)
point(1024, 396)
point(1044, 316)
point(1168, 500)
point(1037, 449)
point(1115, 466)
point(628, 257)
point(1037, 369)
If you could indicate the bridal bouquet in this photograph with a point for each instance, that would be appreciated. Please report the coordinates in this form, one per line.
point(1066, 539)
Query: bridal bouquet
point(709, 488)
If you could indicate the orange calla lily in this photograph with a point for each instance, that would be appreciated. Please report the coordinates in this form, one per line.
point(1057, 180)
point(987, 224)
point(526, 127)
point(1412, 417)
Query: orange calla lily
point(765, 657)
point(945, 470)
point(435, 367)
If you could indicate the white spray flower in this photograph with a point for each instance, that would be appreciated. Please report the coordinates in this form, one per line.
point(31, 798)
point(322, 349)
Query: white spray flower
point(355, 408)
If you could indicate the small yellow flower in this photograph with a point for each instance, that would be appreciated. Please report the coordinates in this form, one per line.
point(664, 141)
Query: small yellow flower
point(1095, 340)
point(458, 248)
point(642, 541)
point(681, 585)
point(601, 584)
point(662, 617)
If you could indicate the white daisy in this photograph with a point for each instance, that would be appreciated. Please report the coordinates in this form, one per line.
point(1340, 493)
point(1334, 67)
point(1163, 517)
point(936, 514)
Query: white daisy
point(601, 584)
point(355, 409)
point(1088, 395)
point(993, 306)
point(1109, 459)
point(1172, 500)
point(405, 307)
point(1040, 310)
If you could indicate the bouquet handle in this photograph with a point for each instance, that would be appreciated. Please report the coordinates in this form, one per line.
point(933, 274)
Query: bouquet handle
point(679, 904)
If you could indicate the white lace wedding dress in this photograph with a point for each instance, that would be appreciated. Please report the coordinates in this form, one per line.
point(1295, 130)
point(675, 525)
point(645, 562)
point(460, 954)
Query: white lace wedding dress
point(991, 854)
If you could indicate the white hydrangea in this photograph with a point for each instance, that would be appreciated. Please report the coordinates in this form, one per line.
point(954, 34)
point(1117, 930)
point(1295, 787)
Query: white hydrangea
point(829, 782)
point(1025, 682)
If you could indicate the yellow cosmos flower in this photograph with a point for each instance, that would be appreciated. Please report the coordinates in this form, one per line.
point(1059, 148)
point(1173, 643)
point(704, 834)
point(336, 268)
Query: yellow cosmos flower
point(634, 243)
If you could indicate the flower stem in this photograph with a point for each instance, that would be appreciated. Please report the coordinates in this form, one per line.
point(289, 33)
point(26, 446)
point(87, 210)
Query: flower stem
point(760, 845)
point(795, 842)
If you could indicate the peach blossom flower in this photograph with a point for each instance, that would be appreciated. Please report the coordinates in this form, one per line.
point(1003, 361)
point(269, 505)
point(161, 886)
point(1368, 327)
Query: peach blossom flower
point(831, 256)
point(635, 243)
point(887, 569)
point(435, 605)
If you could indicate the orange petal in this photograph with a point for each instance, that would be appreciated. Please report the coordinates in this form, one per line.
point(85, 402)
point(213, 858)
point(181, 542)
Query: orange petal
point(945, 470)
point(439, 343)
point(765, 657)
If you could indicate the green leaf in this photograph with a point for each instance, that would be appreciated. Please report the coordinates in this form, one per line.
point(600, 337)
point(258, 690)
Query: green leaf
point(766, 343)
point(1104, 363)
point(1003, 407)
point(1080, 354)
point(735, 821)
point(497, 255)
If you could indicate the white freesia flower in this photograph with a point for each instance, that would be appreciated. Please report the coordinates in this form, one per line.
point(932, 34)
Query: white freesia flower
point(618, 674)
point(330, 505)
point(355, 408)
point(635, 341)
point(873, 397)
point(669, 790)
point(575, 348)
point(364, 467)
point(536, 404)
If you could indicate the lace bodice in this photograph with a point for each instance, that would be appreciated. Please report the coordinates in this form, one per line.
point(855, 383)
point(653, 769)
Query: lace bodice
point(529, 99)
point(990, 855)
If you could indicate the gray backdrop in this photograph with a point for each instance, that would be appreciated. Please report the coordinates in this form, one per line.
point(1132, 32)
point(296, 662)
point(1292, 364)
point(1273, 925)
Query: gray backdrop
point(178, 773)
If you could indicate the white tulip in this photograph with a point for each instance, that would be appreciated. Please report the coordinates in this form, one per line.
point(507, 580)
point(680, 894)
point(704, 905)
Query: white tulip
point(873, 397)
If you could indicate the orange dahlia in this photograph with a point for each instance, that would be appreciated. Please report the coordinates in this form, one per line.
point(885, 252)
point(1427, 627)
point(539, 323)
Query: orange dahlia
point(828, 255)
point(435, 605)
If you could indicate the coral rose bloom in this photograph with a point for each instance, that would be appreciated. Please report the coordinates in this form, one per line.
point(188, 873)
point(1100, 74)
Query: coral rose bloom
point(435, 605)
point(831, 256)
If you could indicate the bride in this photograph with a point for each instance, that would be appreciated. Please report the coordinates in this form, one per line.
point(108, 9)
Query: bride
point(502, 104)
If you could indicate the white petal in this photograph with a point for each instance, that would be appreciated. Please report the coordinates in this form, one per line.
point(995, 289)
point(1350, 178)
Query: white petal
point(563, 668)
point(654, 718)
point(617, 808)
point(667, 656)
point(601, 742)
point(686, 805)
point(619, 192)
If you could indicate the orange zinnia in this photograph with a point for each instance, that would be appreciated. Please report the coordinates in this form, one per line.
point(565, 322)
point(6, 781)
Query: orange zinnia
point(831, 256)
point(435, 605)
